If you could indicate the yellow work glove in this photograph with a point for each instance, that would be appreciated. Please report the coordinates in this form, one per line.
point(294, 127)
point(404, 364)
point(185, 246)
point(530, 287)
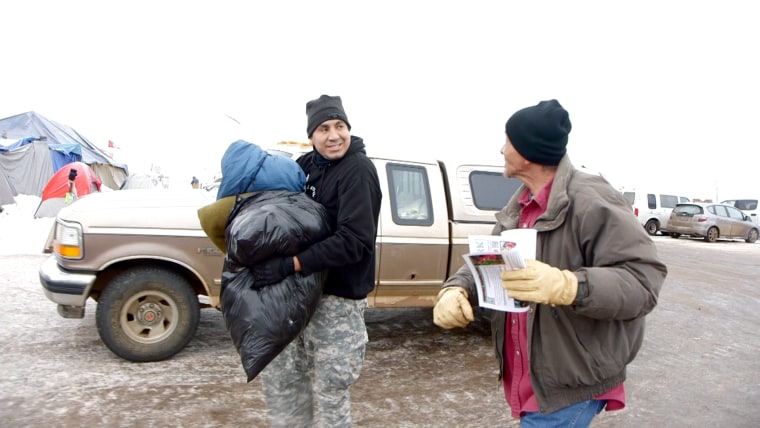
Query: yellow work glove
point(452, 309)
point(540, 283)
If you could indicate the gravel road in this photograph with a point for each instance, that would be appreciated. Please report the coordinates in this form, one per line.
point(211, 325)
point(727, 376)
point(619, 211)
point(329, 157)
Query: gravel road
point(699, 365)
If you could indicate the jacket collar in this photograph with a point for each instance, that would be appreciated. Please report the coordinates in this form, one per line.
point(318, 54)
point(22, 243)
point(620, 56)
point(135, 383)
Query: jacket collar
point(556, 210)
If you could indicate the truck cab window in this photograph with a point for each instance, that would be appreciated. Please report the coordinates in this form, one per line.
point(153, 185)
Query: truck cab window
point(491, 190)
point(410, 195)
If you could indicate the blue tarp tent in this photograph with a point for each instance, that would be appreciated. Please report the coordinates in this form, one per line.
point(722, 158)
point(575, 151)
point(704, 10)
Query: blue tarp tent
point(33, 148)
point(7, 191)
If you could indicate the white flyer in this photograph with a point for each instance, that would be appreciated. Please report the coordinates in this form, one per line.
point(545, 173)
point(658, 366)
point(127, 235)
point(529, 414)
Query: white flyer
point(491, 254)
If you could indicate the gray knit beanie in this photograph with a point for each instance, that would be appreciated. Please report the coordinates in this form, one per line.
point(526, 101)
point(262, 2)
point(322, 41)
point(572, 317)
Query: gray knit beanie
point(322, 109)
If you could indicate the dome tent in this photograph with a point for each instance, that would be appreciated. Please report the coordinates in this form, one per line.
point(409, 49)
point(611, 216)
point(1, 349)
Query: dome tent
point(139, 180)
point(54, 194)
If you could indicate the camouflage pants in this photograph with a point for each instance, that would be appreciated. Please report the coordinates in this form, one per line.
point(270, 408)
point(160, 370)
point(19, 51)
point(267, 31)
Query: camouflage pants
point(322, 362)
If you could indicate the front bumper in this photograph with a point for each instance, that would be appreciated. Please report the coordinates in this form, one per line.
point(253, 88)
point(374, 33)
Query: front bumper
point(68, 289)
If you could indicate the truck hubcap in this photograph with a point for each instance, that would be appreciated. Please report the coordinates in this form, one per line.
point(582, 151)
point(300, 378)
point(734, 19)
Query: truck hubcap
point(149, 314)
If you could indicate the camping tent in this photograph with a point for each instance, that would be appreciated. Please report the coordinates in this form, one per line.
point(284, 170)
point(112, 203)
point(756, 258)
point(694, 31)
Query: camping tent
point(33, 148)
point(54, 194)
point(7, 191)
point(139, 180)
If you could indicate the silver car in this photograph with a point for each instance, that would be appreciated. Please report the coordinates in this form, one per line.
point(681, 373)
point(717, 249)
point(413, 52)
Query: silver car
point(711, 221)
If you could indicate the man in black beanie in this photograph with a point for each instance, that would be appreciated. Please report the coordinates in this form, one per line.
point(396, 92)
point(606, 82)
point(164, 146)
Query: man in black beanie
point(322, 109)
point(595, 277)
point(330, 349)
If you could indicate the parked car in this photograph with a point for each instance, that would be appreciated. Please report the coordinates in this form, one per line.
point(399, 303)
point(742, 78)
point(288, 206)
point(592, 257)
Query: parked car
point(653, 208)
point(143, 257)
point(748, 206)
point(711, 221)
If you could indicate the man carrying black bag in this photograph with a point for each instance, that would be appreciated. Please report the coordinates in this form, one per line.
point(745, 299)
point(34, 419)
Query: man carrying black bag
point(341, 177)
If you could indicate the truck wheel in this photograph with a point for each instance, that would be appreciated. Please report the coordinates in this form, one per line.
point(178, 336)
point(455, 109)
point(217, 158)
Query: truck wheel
point(147, 314)
point(652, 227)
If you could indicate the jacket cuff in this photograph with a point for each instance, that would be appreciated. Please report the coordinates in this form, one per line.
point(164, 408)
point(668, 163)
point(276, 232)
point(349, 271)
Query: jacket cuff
point(287, 266)
point(582, 292)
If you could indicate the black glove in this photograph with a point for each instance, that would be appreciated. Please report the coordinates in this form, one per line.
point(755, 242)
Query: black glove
point(272, 271)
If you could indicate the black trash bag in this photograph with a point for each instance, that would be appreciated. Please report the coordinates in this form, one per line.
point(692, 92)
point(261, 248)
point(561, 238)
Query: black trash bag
point(273, 224)
point(262, 321)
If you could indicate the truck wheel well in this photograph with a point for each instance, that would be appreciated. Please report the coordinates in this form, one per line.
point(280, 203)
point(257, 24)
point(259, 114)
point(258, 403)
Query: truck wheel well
point(105, 277)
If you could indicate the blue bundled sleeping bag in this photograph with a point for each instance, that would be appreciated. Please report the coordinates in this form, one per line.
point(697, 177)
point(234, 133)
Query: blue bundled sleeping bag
point(248, 168)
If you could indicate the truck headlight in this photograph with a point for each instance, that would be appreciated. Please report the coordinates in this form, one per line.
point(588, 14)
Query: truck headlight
point(68, 240)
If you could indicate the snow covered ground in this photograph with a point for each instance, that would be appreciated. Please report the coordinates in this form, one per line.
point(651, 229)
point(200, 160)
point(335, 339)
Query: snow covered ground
point(20, 232)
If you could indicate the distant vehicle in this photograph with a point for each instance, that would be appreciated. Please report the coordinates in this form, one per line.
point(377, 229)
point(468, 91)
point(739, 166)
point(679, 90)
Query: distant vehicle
point(748, 206)
point(653, 208)
point(711, 222)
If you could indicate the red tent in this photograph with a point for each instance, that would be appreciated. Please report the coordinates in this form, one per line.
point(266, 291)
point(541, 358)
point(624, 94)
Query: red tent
point(54, 193)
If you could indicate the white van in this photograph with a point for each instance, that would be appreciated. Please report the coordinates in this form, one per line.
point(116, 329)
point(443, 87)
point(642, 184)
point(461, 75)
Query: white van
point(653, 209)
point(748, 206)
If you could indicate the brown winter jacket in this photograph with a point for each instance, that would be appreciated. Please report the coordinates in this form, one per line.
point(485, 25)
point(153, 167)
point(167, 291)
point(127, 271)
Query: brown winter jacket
point(580, 351)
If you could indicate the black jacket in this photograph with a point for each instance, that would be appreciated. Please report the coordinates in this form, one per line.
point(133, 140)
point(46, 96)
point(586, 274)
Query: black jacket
point(349, 189)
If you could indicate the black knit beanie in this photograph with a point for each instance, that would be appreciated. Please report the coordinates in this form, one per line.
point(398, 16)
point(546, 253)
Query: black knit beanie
point(322, 109)
point(539, 133)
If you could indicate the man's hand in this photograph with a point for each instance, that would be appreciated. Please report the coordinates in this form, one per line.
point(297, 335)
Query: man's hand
point(540, 283)
point(452, 309)
point(272, 271)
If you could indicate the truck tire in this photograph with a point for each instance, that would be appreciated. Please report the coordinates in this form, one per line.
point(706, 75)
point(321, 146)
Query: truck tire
point(147, 314)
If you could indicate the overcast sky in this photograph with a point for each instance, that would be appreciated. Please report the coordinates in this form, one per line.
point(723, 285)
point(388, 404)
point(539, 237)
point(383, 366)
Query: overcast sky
point(660, 93)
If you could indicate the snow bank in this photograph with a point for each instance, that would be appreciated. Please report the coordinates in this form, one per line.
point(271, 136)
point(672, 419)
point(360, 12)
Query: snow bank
point(20, 232)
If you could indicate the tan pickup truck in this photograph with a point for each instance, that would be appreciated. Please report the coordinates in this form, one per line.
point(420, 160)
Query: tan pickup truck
point(142, 255)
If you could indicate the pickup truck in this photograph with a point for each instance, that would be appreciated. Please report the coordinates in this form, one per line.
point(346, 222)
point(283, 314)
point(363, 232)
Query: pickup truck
point(142, 256)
